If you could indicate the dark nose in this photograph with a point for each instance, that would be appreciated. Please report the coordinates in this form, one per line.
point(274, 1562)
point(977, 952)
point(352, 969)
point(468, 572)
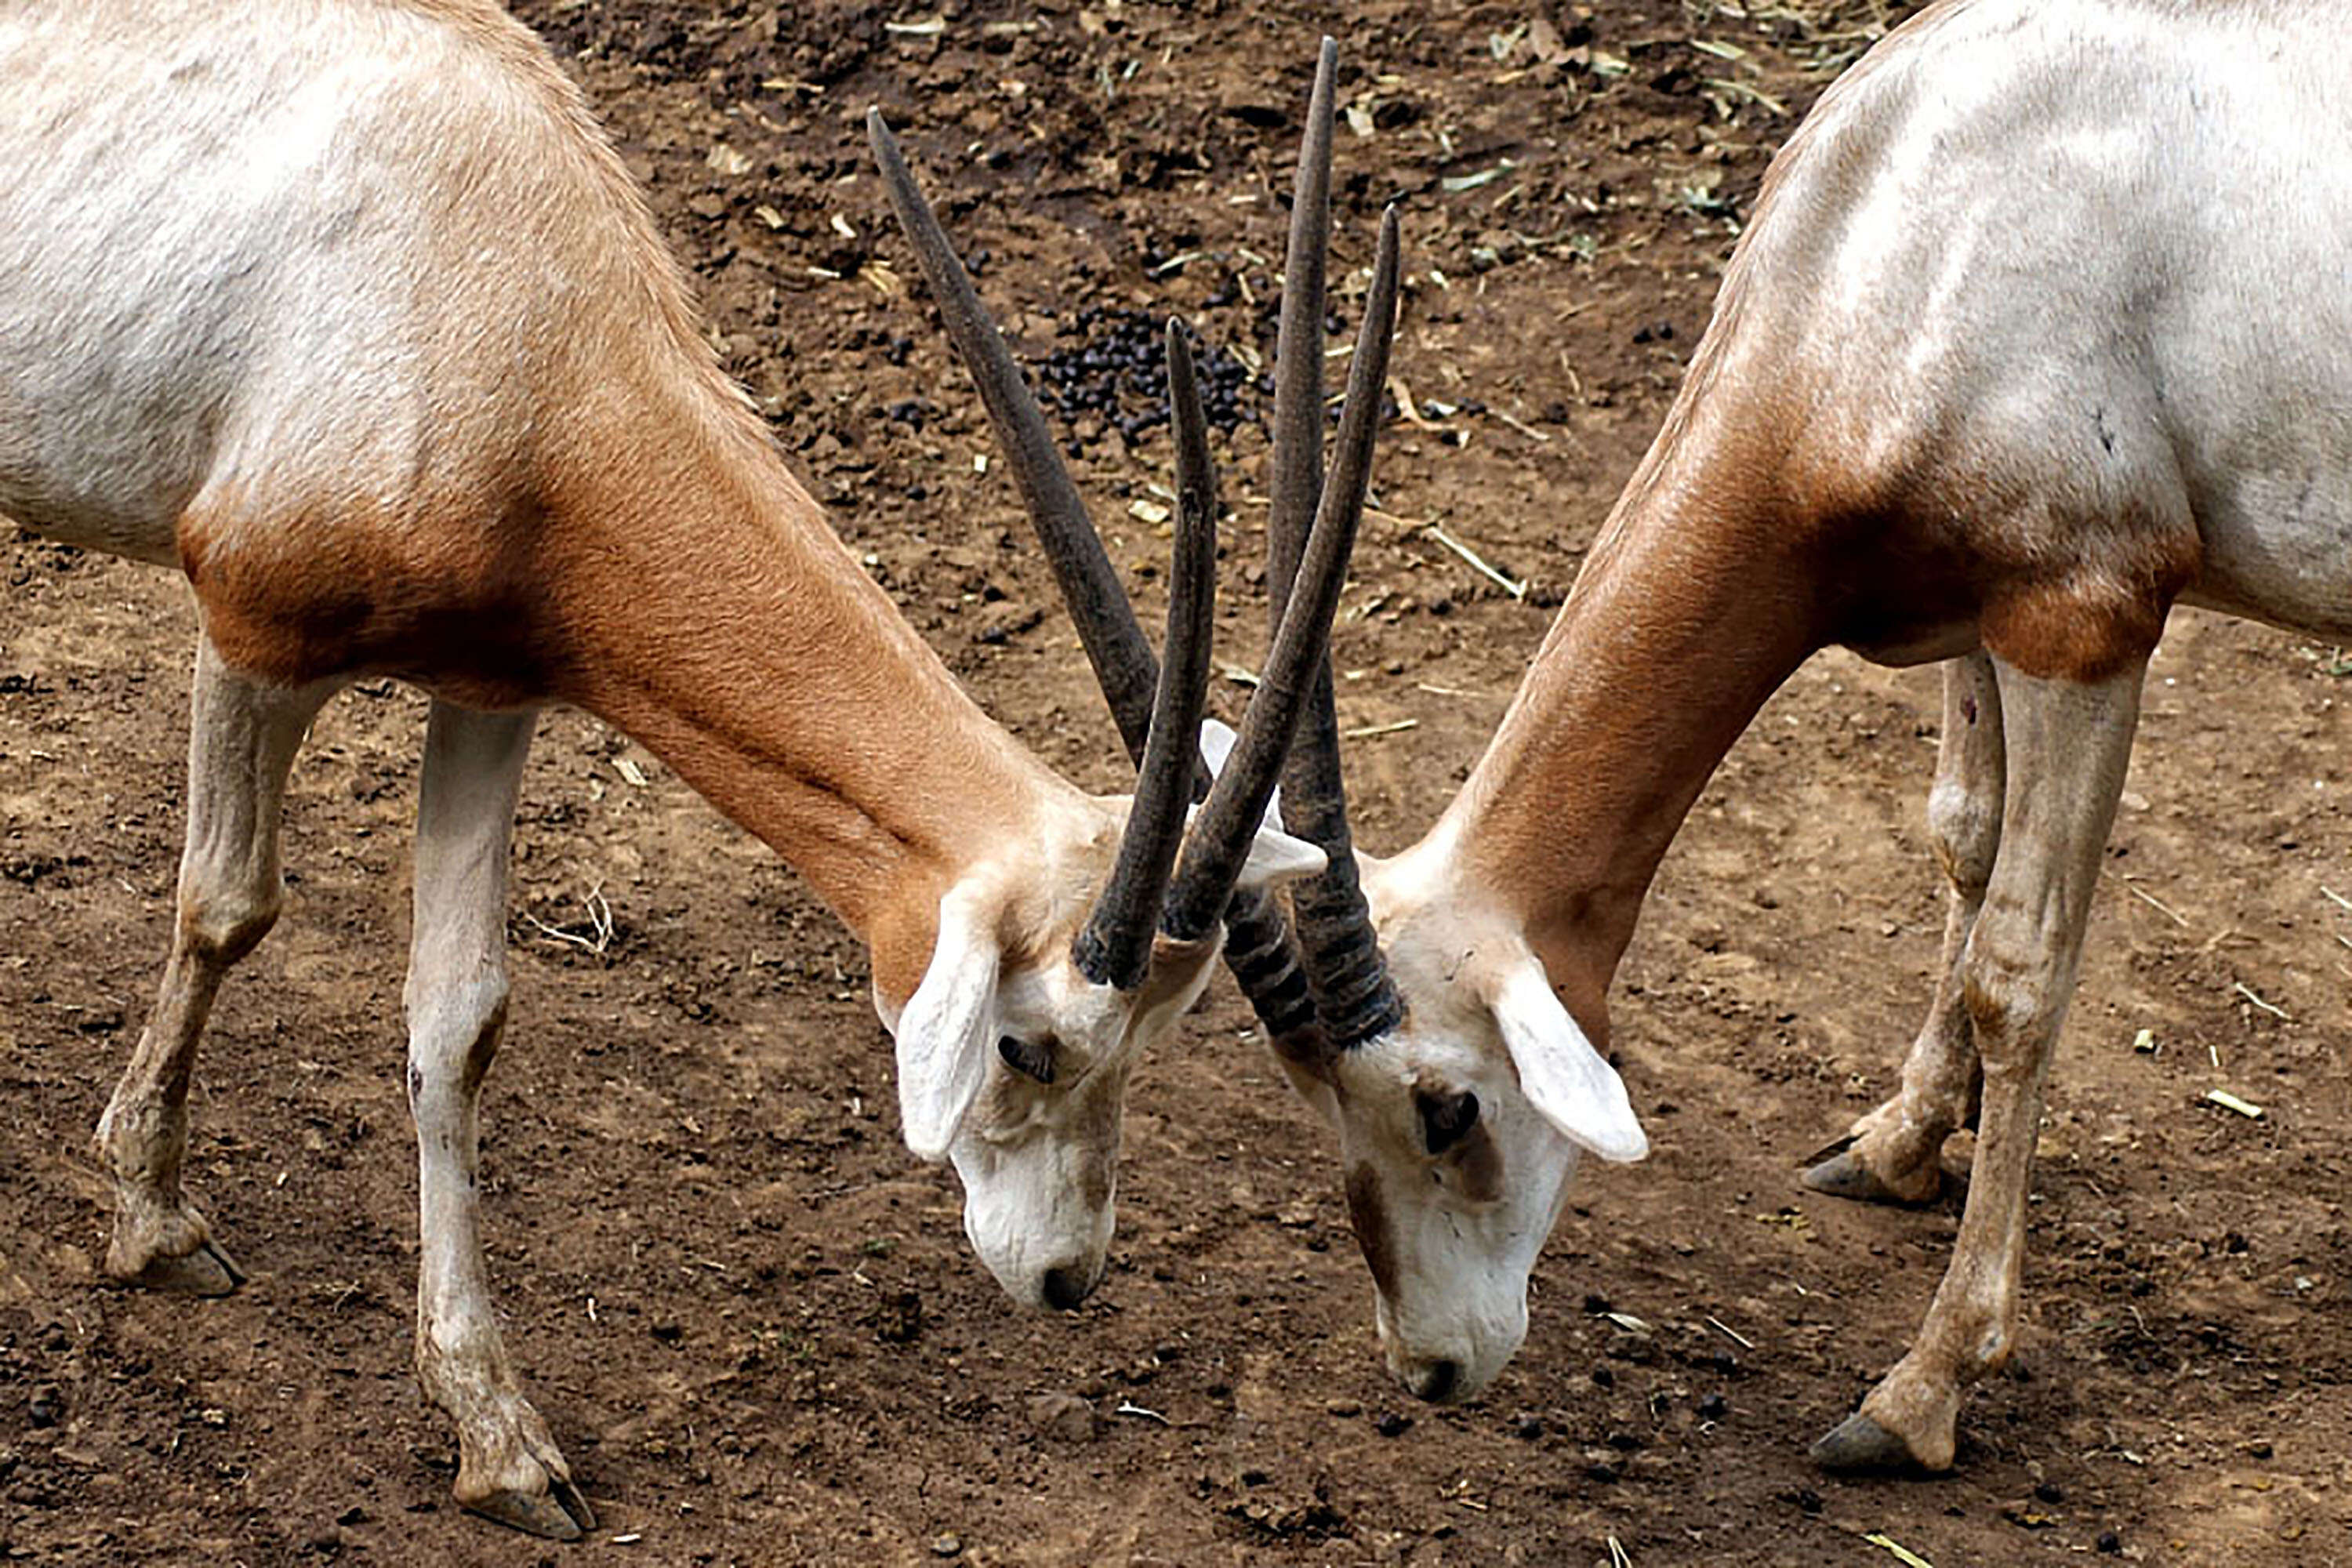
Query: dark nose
point(1068, 1286)
point(1434, 1380)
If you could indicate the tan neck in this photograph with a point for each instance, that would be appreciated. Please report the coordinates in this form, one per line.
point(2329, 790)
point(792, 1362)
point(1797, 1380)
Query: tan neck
point(1683, 620)
point(711, 613)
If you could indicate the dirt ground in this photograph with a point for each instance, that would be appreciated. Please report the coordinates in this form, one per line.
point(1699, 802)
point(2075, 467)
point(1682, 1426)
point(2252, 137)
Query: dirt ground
point(751, 1318)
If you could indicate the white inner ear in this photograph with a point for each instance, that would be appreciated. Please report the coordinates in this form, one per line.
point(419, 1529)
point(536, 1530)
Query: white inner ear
point(1276, 857)
point(1560, 1072)
point(1217, 740)
point(943, 1035)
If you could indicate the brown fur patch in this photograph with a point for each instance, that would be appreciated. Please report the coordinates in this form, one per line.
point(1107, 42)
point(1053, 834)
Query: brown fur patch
point(2073, 630)
point(454, 607)
point(1481, 1165)
point(1368, 1213)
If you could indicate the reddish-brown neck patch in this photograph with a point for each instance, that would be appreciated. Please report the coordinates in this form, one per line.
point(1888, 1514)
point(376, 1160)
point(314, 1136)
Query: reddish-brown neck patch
point(689, 592)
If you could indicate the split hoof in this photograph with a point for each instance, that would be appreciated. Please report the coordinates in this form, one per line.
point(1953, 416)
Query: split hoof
point(209, 1270)
point(560, 1514)
point(1858, 1445)
point(1842, 1174)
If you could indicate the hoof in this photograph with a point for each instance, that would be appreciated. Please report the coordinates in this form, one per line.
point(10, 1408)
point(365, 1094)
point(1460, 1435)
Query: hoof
point(1859, 1445)
point(209, 1270)
point(559, 1514)
point(1842, 1174)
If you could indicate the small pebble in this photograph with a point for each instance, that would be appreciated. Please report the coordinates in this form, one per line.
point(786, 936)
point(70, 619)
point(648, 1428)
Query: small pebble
point(947, 1545)
point(2050, 1492)
point(1342, 1407)
point(1712, 1407)
point(1064, 1417)
point(1392, 1425)
point(2111, 1543)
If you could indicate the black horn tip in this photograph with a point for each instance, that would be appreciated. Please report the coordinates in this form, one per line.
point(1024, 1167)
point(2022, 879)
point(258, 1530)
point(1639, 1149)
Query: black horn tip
point(1102, 963)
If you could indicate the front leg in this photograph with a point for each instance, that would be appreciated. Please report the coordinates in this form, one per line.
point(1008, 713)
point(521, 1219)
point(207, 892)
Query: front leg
point(1895, 1153)
point(508, 1467)
point(2068, 748)
point(242, 737)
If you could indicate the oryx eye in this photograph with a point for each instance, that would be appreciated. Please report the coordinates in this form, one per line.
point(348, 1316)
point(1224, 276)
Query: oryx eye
point(1031, 1059)
point(1445, 1119)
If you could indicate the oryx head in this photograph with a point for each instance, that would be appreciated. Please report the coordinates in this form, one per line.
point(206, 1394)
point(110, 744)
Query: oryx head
point(1056, 961)
point(1460, 1122)
point(1461, 1087)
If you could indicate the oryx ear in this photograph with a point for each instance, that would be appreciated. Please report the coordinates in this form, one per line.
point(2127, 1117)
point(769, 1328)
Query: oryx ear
point(1274, 857)
point(1560, 1072)
point(945, 1032)
point(1217, 740)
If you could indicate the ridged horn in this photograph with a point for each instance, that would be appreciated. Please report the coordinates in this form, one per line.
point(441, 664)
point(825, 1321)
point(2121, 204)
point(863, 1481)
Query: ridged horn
point(1295, 464)
point(1221, 835)
point(1259, 948)
point(1354, 998)
point(1114, 947)
point(1112, 637)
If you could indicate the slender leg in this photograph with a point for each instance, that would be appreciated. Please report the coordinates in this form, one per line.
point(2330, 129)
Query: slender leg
point(1892, 1154)
point(2068, 747)
point(508, 1466)
point(242, 739)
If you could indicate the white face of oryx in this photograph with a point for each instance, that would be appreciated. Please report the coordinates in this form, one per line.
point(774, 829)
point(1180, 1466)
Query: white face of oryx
point(1014, 1066)
point(1460, 1129)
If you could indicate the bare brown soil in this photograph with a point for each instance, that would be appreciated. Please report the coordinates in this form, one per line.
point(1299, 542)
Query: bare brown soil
point(751, 1318)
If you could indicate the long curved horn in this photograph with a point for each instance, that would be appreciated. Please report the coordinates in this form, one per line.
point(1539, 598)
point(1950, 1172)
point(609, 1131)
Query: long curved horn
point(1228, 820)
point(1295, 464)
point(1353, 994)
point(1113, 640)
point(1258, 947)
point(1114, 947)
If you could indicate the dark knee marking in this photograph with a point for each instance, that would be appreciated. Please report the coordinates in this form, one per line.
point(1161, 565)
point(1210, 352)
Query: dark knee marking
point(483, 1049)
point(2007, 1007)
point(480, 1023)
point(222, 930)
point(1964, 835)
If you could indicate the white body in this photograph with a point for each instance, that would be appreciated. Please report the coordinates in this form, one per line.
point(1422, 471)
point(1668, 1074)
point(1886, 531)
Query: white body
point(345, 310)
point(230, 259)
point(2104, 241)
point(2042, 324)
